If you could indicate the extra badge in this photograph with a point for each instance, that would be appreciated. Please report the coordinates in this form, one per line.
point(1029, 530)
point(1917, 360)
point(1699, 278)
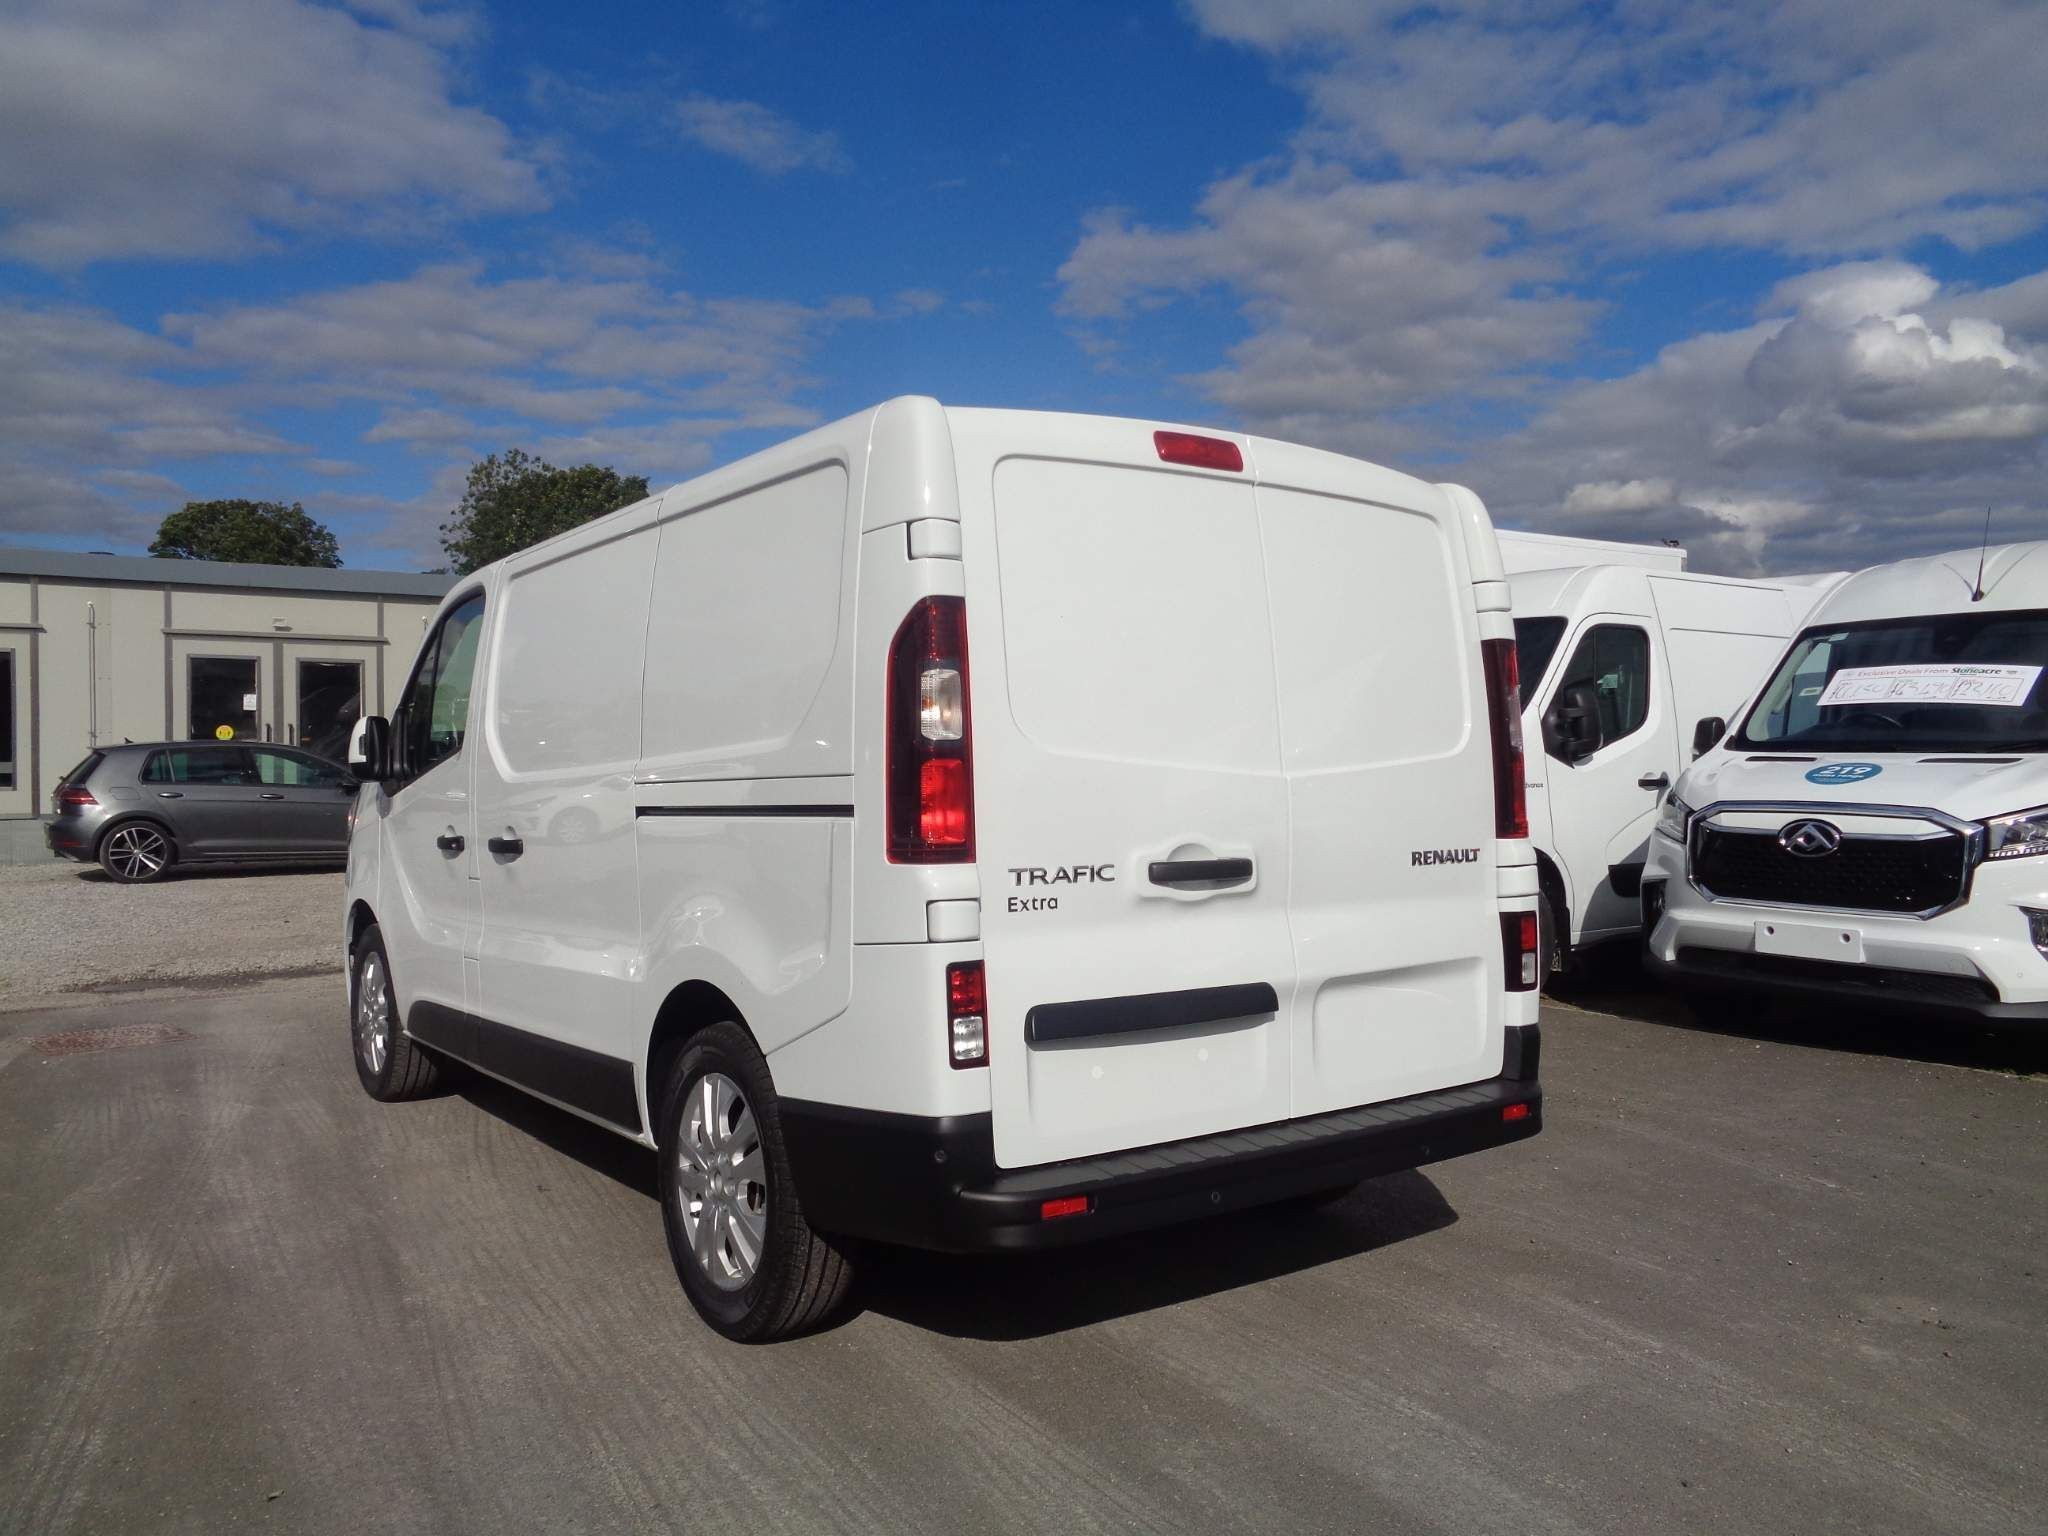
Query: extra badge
point(1843, 773)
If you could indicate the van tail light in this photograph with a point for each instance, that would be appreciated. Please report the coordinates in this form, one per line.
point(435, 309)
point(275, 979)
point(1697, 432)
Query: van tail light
point(74, 797)
point(1519, 948)
point(966, 1014)
point(930, 743)
point(1504, 711)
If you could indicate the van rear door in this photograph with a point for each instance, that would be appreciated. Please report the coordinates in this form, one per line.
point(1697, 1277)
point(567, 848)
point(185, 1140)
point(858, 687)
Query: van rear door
point(1130, 814)
point(1229, 736)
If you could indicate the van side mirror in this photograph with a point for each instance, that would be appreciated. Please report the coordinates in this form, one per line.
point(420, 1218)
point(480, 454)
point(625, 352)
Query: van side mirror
point(369, 748)
point(1707, 734)
point(1571, 730)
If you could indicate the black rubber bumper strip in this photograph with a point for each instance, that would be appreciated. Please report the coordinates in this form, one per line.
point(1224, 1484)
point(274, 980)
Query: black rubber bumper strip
point(1148, 1010)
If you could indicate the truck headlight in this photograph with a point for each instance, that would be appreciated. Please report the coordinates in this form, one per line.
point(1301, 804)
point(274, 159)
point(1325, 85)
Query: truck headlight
point(2018, 835)
point(1672, 818)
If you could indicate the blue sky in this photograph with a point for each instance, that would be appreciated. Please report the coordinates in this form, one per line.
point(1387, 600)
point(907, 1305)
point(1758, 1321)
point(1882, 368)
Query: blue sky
point(1770, 278)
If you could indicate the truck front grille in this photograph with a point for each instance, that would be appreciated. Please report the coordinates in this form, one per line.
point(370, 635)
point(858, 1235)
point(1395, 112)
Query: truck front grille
point(1866, 874)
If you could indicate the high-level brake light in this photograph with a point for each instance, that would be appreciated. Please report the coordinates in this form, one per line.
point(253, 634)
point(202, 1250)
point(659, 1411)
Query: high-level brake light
point(967, 1014)
point(1199, 452)
point(1504, 712)
point(930, 739)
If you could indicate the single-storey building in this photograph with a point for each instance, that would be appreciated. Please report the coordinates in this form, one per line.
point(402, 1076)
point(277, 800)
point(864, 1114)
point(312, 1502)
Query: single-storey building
point(96, 649)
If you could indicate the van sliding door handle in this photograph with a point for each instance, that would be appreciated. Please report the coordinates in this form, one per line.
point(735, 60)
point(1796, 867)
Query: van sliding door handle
point(1654, 781)
point(1199, 871)
point(506, 847)
point(449, 842)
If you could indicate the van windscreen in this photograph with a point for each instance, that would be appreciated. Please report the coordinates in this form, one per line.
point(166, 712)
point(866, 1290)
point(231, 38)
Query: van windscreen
point(1959, 682)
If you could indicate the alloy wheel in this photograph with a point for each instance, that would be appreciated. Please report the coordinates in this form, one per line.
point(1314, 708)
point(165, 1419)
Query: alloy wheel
point(138, 852)
point(723, 1181)
point(373, 1015)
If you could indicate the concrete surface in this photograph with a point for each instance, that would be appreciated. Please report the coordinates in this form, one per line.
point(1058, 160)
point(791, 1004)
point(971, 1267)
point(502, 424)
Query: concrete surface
point(21, 841)
point(1739, 1284)
point(67, 929)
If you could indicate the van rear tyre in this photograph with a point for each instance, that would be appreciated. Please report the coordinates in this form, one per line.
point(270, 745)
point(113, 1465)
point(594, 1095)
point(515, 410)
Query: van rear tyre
point(747, 1259)
point(391, 1067)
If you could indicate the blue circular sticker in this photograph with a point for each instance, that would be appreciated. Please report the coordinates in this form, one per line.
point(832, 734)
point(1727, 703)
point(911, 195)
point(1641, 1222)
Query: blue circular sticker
point(1843, 773)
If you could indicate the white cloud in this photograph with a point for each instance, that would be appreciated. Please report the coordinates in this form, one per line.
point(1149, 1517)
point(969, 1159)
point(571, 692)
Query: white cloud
point(757, 136)
point(1611, 496)
point(206, 127)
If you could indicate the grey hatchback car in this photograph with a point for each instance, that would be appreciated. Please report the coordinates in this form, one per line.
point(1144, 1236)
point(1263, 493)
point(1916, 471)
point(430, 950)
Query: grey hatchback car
point(143, 807)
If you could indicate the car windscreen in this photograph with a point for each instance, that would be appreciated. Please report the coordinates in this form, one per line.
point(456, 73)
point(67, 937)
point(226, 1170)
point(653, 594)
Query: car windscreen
point(1535, 643)
point(1952, 682)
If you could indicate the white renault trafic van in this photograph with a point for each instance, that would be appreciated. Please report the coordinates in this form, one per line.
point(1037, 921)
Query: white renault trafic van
point(969, 829)
point(1872, 827)
point(1619, 662)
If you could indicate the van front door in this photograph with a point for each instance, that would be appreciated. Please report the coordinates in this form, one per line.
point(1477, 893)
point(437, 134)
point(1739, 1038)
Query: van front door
point(1131, 818)
point(429, 887)
point(1604, 805)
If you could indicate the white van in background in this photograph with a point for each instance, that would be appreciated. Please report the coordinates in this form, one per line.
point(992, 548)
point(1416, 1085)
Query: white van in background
point(991, 830)
point(1873, 827)
point(1521, 551)
point(1619, 664)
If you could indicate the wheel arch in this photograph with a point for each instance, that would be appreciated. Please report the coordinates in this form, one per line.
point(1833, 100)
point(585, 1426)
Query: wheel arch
point(690, 1007)
point(360, 920)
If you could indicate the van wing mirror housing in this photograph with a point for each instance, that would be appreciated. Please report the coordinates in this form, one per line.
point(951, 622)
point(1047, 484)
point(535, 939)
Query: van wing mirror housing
point(1707, 734)
point(369, 748)
point(1571, 730)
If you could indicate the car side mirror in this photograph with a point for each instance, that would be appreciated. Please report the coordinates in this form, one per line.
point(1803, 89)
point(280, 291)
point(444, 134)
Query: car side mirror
point(1707, 734)
point(369, 748)
point(1571, 730)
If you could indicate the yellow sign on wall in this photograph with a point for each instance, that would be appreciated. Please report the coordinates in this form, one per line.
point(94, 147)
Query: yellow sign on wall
point(223, 733)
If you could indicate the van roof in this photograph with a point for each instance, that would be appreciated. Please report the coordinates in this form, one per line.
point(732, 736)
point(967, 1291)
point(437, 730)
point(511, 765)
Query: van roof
point(2015, 576)
point(1559, 590)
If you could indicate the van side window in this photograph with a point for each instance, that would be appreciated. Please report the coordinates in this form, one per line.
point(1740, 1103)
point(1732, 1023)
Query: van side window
point(1615, 660)
point(433, 716)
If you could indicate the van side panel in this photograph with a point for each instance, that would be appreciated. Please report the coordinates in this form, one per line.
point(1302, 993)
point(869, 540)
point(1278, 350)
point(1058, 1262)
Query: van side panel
point(743, 796)
point(560, 731)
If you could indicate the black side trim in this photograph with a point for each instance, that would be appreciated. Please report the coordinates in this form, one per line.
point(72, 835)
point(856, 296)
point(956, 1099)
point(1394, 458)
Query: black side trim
point(588, 1080)
point(1627, 879)
point(445, 1029)
point(830, 812)
point(1147, 1010)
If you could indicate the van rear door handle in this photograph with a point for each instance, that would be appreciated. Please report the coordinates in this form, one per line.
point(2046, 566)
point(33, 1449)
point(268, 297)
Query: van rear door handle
point(506, 847)
point(1654, 781)
point(449, 842)
point(1199, 871)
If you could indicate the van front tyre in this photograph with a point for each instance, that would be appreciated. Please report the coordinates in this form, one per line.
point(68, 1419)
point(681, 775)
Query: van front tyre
point(391, 1067)
point(749, 1262)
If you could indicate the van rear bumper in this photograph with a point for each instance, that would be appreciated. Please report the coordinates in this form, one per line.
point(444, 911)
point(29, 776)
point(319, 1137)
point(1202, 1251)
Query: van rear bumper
point(933, 1183)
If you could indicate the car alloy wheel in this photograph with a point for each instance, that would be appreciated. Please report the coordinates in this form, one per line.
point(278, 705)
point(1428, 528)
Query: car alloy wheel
point(137, 852)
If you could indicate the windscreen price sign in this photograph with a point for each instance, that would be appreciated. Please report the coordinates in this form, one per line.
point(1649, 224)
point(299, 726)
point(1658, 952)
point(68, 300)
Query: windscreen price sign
point(2005, 687)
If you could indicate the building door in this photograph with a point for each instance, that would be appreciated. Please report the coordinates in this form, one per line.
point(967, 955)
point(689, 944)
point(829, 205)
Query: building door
point(223, 698)
point(328, 699)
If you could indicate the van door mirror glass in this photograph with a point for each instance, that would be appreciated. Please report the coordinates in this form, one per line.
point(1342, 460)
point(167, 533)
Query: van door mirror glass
point(1571, 730)
point(1707, 734)
point(369, 748)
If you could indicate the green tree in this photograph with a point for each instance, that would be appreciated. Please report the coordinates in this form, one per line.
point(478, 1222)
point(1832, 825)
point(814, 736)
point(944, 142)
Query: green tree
point(261, 532)
point(513, 500)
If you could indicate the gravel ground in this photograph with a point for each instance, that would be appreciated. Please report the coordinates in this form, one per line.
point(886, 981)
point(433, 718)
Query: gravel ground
point(67, 929)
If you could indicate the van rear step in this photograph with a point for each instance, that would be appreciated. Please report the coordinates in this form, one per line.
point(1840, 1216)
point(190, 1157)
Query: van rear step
point(933, 1183)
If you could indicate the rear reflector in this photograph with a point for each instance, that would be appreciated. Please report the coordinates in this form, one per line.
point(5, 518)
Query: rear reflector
point(1513, 1112)
point(966, 1014)
point(930, 746)
point(1069, 1205)
point(1199, 452)
point(1519, 942)
point(1504, 711)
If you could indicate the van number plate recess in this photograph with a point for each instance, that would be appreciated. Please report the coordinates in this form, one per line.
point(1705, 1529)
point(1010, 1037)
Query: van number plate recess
point(1810, 941)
